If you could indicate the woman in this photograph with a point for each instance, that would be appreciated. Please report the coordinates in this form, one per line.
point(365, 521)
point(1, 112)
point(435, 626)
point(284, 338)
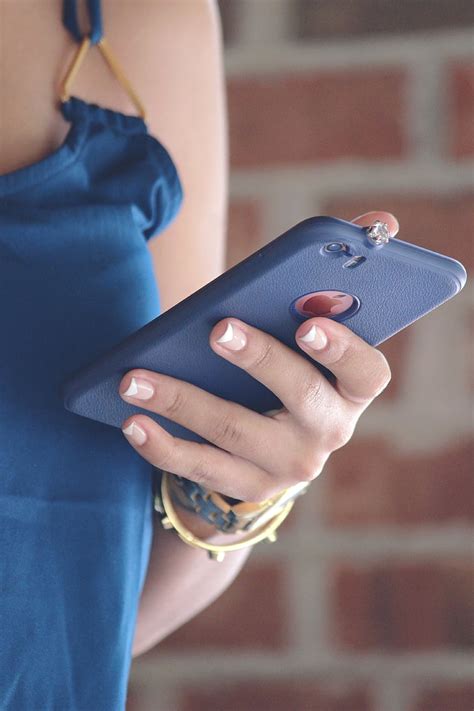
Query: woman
point(87, 581)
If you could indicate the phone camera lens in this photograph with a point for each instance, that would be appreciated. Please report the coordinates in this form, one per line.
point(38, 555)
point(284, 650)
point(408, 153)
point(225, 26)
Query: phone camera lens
point(334, 247)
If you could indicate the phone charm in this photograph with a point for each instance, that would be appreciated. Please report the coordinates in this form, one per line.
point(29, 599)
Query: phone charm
point(378, 233)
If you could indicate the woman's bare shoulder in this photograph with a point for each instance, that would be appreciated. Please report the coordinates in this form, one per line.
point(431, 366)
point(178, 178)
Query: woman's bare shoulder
point(153, 40)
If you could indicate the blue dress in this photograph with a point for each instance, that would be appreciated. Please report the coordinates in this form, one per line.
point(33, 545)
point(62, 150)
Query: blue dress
point(76, 277)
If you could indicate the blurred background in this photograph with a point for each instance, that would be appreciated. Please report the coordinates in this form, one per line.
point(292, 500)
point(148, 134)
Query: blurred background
point(365, 602)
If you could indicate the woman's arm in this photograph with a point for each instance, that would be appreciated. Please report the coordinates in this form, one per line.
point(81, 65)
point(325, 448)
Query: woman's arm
point(187, 111)
point(181, 580)
point(188, 114)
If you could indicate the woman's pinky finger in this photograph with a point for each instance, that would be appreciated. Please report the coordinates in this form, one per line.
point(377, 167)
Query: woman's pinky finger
point(206, 464)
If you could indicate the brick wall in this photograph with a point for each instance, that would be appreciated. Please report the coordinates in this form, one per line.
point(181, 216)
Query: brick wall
point(365, 603)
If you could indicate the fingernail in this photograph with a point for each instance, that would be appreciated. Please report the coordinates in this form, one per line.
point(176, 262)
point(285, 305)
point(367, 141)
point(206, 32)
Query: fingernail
point(139, 389)
point(135, 432)
point(233, 338)
point(314, 338)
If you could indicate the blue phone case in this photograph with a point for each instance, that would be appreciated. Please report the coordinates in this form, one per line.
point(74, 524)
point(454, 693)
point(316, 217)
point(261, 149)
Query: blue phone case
point(394, 283)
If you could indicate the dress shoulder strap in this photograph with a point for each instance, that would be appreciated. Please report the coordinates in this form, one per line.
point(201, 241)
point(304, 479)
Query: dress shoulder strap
point(96, 36)
point(95, 15)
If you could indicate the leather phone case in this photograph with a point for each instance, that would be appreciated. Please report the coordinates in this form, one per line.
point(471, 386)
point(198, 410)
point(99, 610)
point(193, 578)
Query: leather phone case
point(395, 284)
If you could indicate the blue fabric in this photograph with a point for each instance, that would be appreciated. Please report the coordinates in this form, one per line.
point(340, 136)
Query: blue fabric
point(95, 16)
point(76, 277)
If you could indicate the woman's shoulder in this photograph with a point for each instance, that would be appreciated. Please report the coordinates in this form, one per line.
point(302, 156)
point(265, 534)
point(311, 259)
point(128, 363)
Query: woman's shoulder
point(154, 41)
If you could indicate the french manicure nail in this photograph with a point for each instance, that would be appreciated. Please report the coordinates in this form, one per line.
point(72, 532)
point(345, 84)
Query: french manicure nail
point(140, 389)
point(233, 338)
point(135, 432)
point(314, 338)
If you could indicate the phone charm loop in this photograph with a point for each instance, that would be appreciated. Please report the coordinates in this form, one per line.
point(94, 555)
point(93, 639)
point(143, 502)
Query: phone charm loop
point(378, 233)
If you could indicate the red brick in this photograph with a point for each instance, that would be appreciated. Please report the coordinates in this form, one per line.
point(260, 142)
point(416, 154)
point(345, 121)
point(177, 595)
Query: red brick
point(461, 90)
point(244, 233)
point(311, 116)
point(470, 328)
point(134, 697)
point(443, 223)
point(396, 351)
point(397, 606)
point(371, 483)
point(459, 697)
point(274, 695)
point(251, 613)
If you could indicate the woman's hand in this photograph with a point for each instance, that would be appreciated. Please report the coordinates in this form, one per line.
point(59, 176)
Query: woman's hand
point(257, 455)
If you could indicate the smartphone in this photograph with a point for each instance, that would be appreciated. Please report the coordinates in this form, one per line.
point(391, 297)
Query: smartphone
point(322, 266)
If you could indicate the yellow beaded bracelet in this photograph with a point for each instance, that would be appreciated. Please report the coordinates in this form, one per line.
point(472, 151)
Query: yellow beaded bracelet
point(216, 552)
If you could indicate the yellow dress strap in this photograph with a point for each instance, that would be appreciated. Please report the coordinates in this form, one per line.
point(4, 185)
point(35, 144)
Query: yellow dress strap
point(66, 83)
point(95, 36)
